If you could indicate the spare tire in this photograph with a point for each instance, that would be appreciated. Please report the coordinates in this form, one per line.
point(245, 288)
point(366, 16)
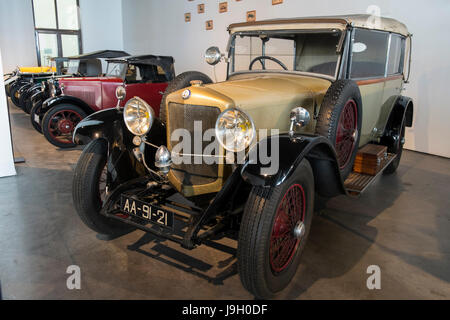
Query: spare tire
point(181, 81)
point(340, 119)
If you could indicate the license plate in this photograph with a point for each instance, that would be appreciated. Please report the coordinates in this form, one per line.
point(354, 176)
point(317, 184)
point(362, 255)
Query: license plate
point(36, 118)
point(146, 211)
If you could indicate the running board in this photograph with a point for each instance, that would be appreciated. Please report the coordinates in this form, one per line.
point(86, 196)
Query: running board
point(357, 183)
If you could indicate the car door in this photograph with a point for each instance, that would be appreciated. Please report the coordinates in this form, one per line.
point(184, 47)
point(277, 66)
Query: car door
point(394, 78)
point(368, 70)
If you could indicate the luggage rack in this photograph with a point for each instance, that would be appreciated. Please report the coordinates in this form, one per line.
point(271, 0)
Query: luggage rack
point(357, 183)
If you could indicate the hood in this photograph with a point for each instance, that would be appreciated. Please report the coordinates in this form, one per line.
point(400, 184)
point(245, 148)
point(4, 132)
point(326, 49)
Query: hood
point(268, 97)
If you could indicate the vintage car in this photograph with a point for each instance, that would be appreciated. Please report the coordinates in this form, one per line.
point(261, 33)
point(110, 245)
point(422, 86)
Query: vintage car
point(246, 157)
point(146, 76)
point(91, 64)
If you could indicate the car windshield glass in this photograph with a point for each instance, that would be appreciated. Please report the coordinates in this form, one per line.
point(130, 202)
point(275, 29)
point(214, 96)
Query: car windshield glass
point(303, 51)
point(73, 66)
point(116, 69)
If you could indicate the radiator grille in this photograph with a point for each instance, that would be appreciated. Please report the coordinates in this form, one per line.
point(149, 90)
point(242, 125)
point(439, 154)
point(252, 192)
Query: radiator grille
point(181, 116)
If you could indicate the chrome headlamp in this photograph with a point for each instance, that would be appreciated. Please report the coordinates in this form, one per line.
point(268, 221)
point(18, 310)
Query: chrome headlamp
point(235, 130)
point(138, 116)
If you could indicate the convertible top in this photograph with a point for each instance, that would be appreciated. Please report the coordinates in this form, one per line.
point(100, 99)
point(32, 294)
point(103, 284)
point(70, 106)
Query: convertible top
point(101, 54)
point(165, 62)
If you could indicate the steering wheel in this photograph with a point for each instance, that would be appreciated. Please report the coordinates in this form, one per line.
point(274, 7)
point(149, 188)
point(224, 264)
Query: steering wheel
point(260, 58)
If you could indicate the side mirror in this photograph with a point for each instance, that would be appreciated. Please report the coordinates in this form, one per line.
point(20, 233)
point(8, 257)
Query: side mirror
point(213, 56)
point(299, 117)
point(121, 93)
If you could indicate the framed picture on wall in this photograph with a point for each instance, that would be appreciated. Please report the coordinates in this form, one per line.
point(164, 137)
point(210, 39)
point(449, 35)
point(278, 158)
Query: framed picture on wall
point(223, 7)
point(201, 8)
point(251, 16)
point(187, 17)
point(209, 25)
point(274, 2)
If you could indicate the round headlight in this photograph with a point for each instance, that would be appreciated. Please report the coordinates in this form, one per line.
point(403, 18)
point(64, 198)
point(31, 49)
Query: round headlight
point(213, 56)
point(138, 116)
point(235, 130)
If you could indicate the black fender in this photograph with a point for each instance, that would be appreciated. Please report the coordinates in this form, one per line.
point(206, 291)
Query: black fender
point(38, 96)
point(109, 125)
point(319, 152)
point(402, 112)
point(53, 101)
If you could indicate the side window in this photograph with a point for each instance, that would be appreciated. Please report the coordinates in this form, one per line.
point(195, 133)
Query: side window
point(369, 53)
point(396, 55)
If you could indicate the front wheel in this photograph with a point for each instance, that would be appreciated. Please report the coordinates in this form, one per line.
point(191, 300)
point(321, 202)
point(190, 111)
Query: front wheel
point(274, 229)
point(89, 190)
point(36, 115)
point(59, 123)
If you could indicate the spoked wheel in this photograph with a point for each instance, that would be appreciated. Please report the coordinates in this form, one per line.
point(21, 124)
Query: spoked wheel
point(59, 122)
point(274, 229)
point(288, 228)
point(347, 132)
point(340, 119)
point(89, 189)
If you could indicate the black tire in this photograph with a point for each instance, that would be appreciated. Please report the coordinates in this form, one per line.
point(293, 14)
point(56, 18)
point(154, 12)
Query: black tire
point(25, 99)
point(338, 96)
point(50, 119)
point(398, 150)
point(14, 93)
point(85, 190)
point(181, 81)
point(254, 263)
point(36, 112)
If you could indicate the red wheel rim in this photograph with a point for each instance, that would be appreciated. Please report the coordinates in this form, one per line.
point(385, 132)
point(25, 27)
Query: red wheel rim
point(347, 132)
point(283, 242)
point(62, 124)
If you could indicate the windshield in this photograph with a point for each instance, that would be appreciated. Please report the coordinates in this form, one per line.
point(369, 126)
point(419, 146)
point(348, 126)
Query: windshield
point(73, 66)
point(116, 69)
point(314, 51)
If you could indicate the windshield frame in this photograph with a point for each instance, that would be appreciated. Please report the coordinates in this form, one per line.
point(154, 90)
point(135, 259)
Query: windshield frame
point(124, 73)
point(339, 51)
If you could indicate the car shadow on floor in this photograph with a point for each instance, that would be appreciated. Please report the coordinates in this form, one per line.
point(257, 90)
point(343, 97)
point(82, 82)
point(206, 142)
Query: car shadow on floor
point(188, 263)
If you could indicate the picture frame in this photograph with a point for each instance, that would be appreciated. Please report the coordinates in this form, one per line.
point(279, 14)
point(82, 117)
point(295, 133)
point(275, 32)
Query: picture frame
point(251, 16)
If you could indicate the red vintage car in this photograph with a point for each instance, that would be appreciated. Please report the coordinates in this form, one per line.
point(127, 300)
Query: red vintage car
point(144, 76)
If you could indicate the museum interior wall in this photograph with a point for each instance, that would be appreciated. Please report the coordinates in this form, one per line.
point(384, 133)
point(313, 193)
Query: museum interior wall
point(159, 27)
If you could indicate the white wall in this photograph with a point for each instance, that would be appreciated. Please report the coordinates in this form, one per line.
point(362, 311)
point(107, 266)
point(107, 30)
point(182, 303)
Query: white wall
point(157, 26)
point(101, 24)
point(6, 156)
point(17, 34)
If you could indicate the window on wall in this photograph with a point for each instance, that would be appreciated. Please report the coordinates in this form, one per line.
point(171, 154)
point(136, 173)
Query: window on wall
point(57, 29)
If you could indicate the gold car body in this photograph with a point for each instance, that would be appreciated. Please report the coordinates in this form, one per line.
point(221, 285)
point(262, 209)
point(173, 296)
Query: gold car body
point(268, 97)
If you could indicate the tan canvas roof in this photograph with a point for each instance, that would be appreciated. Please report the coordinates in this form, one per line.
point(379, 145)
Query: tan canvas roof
point(357, 20)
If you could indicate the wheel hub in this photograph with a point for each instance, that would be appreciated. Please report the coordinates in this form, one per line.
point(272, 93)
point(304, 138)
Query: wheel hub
point(299, 230)
point(65, 126)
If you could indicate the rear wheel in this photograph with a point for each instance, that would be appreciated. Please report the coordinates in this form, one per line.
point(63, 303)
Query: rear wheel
point(59, 122)
point(89, 189)
point(340, 120)
point(274, 229)
point(398, 150)
point(181, 81)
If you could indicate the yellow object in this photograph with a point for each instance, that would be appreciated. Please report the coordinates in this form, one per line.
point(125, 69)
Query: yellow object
point(37, 69)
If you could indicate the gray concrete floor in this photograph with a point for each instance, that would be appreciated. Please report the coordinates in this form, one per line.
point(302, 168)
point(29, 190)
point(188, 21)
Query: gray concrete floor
point(401, 224)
